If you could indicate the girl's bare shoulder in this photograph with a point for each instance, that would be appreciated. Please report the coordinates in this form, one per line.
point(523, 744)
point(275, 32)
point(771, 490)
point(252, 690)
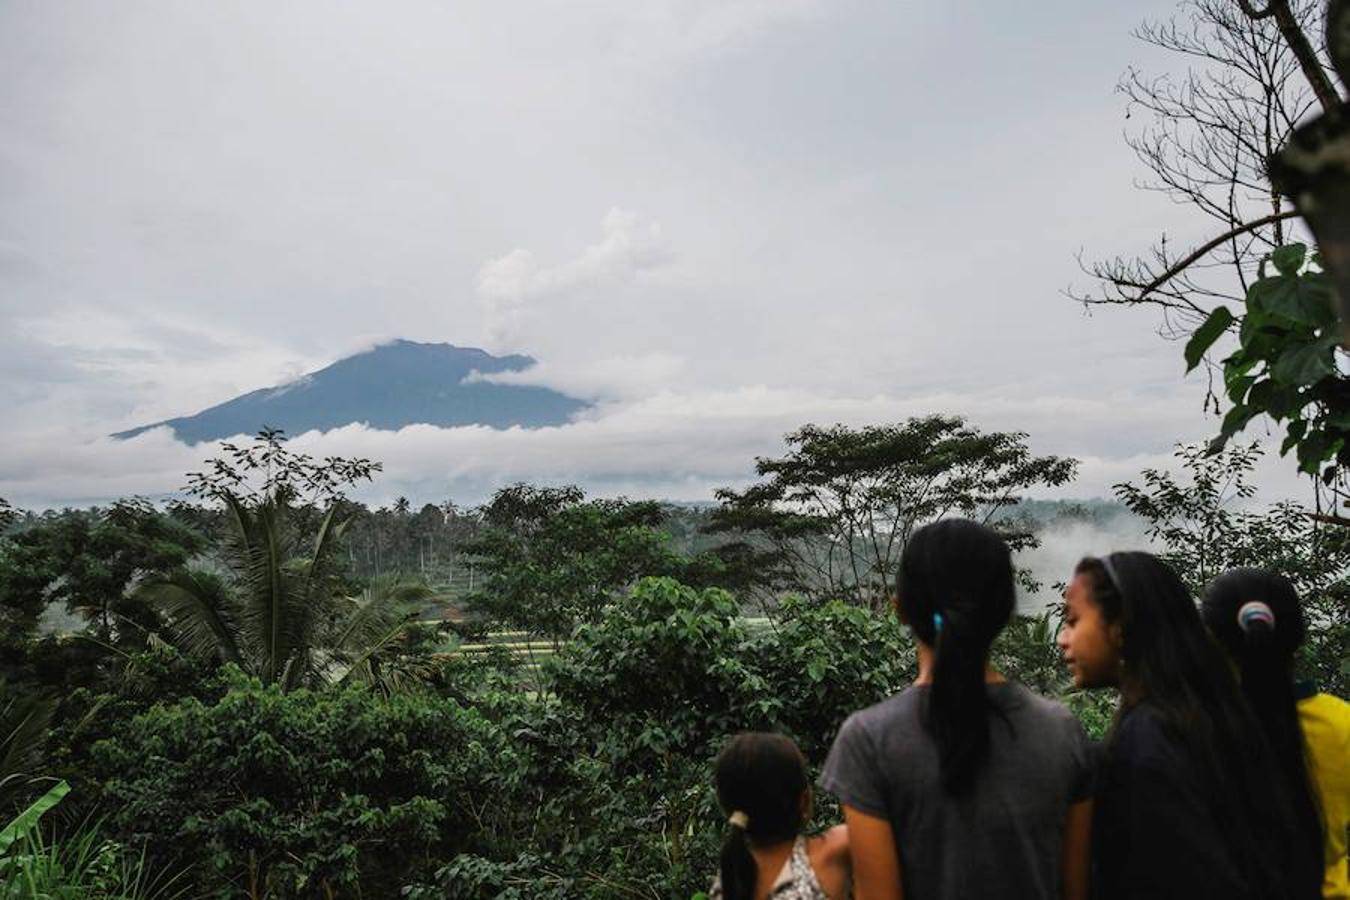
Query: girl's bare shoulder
point(828, 852)
point(830, 846)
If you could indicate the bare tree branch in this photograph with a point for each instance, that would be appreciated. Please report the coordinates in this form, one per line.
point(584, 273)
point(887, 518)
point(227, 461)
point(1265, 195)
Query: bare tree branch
point(1205, 248)
point(1253, 13)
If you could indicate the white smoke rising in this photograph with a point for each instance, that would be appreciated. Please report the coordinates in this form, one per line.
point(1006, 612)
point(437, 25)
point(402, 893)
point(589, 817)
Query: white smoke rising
point(509, 284)
point(1066, 540)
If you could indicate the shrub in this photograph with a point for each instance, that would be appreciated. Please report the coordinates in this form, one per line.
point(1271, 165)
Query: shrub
point(308, 793)
point(821, 662)
point(663, 673)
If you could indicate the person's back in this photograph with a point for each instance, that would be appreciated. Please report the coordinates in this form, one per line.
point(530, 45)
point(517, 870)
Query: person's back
point(1001, 836)
point(1156, 832)
point(964, 785)
point(1256, 616)
point(1326, 728)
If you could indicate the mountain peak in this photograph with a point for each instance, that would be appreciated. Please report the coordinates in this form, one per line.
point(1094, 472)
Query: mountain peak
point(388, 387)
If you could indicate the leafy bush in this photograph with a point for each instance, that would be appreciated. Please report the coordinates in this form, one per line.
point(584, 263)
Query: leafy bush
point(664, 672)
point(822, 661)
point(307, 793)
point(1205, 531)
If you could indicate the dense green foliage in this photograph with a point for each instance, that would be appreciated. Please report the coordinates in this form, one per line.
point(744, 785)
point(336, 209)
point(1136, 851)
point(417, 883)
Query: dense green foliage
point(1196, 520)
point(552, 560)
point(279, 726)
point(1285, 366)
point(833, 514)
point(295, 794)
point(82, 865)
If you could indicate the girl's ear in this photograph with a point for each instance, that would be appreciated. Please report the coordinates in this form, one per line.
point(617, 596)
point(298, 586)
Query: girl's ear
point(1116, 636)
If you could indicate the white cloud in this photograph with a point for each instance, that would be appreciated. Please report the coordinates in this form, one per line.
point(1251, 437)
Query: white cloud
point(629, 246)
point(669, 445)
point(121, 372)
point(612, 377)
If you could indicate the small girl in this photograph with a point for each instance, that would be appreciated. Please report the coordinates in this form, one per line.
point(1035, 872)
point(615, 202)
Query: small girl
point(763, 787)
point(1257, 618)
point(1189, 801)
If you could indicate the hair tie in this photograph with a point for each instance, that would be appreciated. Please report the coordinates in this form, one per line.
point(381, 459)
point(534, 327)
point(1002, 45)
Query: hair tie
point(739, 820)
point(1253, 612)
point(937, 622)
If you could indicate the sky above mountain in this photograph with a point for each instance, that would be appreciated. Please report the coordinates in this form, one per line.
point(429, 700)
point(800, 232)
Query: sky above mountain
point(715, 219)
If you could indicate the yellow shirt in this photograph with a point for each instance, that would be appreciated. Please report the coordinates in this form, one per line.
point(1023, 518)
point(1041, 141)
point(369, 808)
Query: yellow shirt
point(1326, 729)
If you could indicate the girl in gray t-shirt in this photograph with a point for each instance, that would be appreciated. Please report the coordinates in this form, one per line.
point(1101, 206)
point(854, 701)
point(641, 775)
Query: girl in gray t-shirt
point(965, 784)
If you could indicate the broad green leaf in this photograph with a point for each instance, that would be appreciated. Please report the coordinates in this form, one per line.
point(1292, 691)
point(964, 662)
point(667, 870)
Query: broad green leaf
point(1308, 364)
point(28, 819)
point(1306, 300)
point(1238, 387)
point(1293, 435)
point(1314, 449)
point(1204, 337)
point(1269, 293)
point(1260, 396)
point(1289, 259)
point(1286, 402)
point(1236, 420)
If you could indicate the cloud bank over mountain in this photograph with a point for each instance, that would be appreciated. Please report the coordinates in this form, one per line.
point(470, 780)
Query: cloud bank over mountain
point(712, 221)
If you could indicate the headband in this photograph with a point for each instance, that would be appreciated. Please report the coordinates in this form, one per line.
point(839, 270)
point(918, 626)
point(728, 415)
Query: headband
point(1111, 575)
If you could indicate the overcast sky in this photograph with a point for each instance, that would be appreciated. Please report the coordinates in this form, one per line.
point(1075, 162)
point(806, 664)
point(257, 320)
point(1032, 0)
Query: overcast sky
point(719, 219)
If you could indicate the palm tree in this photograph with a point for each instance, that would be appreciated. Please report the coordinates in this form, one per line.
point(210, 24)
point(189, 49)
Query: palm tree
point(24, 721)
point(280, 611)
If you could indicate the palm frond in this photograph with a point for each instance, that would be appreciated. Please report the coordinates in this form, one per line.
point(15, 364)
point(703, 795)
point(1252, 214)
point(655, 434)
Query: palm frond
point(369, 639)
point(386, 602)
point(24, 721)
point(200, 613)
point(263, 577)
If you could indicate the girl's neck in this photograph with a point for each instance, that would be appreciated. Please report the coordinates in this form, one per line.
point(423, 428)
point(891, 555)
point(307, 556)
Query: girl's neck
point(769, 861)
point(928, 659)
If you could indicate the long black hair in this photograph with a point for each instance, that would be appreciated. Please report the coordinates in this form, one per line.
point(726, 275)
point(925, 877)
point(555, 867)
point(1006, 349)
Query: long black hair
point(955, 589)
point(1257, 618)
point(1170, 665)
point(761, 782)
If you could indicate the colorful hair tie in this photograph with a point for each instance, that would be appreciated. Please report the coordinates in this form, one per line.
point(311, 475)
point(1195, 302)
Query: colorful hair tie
point(739, 820)
point(1253, 612)
point(937, 622)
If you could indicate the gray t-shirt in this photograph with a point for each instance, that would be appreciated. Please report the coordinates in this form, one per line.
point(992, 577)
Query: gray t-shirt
point(1004, 836)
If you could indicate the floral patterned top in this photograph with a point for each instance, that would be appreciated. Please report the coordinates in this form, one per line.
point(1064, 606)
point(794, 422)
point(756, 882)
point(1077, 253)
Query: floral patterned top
point(795, 881)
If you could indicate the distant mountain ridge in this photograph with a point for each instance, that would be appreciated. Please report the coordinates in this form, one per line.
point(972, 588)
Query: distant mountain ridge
point(388, 387)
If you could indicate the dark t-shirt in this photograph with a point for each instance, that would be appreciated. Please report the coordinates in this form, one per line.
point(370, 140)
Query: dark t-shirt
point(1003, 837)
point(1155, 831)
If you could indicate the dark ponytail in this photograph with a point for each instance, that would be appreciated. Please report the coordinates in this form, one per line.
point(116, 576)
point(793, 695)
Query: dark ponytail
point(1256, 617)
point(761, 782)
point(955, 589)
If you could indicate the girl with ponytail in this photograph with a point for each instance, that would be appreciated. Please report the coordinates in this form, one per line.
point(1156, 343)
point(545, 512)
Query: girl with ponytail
point(763, 789)
point(1190, 803)
point(1257, 619)
point(965, 784)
